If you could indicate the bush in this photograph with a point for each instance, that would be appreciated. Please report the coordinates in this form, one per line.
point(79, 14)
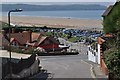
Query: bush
point(113, 63)
point(14, 49)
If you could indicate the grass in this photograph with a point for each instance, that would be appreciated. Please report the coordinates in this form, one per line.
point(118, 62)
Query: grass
point(74, 39)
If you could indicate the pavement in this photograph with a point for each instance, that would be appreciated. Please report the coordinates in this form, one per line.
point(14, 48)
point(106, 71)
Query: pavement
point(96, 70)
point(5, 53)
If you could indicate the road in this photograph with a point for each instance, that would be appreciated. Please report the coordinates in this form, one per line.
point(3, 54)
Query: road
point(67, 66)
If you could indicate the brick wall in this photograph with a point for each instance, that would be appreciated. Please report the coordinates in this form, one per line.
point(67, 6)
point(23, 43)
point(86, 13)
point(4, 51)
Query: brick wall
point(102, 59)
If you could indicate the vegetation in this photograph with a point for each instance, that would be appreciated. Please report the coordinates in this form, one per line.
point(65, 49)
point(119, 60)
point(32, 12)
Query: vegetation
point(112, 46)
point(74, 39)
point(3, 25)
point(113, 63)
point(111, 22)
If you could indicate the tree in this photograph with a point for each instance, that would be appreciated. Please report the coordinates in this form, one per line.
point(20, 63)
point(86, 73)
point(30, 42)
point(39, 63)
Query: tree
point(111, 22)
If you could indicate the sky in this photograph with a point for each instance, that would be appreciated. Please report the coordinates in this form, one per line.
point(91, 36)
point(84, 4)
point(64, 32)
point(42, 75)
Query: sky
point(47, 2)
point(58, 0)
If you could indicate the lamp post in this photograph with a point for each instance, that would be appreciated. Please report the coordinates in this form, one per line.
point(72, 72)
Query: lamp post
point(16, 10)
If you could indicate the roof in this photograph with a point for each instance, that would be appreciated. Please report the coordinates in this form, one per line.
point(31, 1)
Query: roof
point(3, 40)
point(36, 36)
point(108, 10)
point(22, 38)
point(19, 37)
point(41, 40)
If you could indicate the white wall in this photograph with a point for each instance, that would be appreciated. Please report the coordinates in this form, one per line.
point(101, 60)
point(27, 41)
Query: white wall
point(98, 54)
point(91, 56)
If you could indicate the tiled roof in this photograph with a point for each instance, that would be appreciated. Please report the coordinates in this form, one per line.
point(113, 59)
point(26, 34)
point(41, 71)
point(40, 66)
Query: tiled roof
point(26, 36)
point(19, 37)
point(3, 41)
point(35, 36)
point(41, 40)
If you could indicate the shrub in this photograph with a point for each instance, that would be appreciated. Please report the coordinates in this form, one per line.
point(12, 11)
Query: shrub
point(113, 63)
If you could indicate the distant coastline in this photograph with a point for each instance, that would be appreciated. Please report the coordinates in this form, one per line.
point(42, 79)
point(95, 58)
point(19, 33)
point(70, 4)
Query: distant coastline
point(30, 7)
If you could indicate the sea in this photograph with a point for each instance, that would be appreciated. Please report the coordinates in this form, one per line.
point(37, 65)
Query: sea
point(80, 14)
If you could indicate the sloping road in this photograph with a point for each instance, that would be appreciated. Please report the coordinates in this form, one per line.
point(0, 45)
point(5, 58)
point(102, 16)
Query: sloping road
point(66, 66)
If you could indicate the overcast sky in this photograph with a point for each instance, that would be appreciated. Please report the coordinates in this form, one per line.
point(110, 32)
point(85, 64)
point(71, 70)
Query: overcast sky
point(58, 0)
point(47, 2)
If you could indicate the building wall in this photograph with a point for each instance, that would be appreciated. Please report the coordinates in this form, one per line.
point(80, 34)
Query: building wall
point(98, 54)
point(92, 55)
point(49, 46)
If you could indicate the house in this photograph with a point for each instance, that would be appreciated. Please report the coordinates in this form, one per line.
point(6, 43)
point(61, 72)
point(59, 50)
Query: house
point(47, 43)
point(20, 38)
point(31, 39)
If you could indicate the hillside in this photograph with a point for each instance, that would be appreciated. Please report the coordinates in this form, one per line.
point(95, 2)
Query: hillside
point(29, 7)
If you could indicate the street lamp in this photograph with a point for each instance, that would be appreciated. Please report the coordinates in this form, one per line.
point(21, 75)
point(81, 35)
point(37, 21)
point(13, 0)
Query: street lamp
point(16, 10)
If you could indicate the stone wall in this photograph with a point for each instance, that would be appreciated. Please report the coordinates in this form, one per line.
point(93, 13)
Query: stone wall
point(22, 69)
